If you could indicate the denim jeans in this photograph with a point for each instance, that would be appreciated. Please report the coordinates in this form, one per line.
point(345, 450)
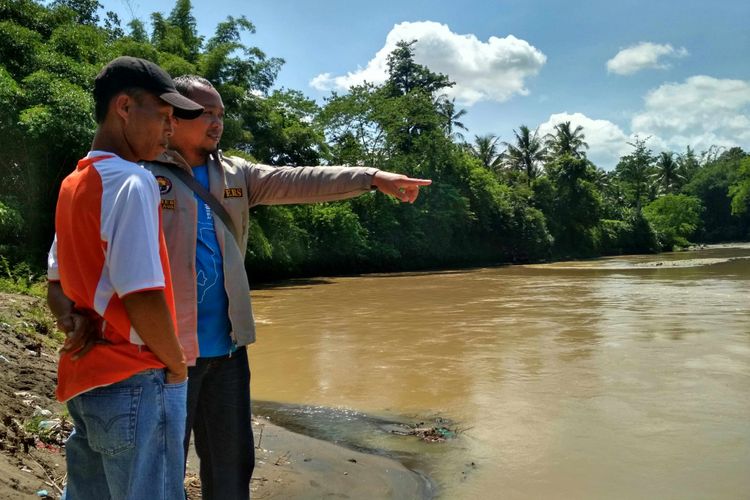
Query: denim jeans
point(218, 413)
point(127, 440)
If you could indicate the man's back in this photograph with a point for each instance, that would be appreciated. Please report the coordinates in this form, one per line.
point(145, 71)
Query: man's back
point(108, 244)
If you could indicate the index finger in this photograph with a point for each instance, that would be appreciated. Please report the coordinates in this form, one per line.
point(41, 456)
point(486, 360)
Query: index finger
point(417, 182)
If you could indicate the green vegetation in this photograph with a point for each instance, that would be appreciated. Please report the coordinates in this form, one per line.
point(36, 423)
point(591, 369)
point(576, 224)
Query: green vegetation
point(33, 320)
point(533, 198)
point(21, 279)
point(675, 218)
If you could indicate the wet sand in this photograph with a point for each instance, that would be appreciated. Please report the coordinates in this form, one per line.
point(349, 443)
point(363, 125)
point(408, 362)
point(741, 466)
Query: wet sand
point(294, 466)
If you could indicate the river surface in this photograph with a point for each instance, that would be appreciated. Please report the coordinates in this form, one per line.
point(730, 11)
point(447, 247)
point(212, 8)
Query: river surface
point(624, 377)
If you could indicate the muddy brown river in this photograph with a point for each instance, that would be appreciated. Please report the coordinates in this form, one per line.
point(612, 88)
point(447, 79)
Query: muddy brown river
point(623, 377)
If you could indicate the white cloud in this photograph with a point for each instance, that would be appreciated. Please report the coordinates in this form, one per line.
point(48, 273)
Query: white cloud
point(494, 70)
point(644, 55)
point(701, 112)
point(607, 142)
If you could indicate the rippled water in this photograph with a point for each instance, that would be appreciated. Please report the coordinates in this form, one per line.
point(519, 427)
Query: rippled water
point(623, 377)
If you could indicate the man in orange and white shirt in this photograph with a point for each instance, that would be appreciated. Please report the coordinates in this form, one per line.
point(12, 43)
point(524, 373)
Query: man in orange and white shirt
point(126, 395)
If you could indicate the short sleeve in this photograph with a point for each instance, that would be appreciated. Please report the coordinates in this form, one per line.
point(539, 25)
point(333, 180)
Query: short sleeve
point(53, 271)
point(131, 231)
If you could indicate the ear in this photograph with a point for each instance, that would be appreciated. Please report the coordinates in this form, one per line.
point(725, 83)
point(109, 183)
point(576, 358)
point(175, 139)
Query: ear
point(121, 105)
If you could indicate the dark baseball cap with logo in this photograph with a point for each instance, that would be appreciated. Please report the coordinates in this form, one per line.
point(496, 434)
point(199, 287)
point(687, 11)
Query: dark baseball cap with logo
point(131, 72)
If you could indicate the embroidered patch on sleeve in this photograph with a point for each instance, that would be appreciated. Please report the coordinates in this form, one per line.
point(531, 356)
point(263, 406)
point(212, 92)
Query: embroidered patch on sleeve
point(233, 193)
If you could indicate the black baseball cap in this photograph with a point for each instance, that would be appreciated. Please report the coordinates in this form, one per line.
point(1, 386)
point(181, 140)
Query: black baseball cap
point(131, 72)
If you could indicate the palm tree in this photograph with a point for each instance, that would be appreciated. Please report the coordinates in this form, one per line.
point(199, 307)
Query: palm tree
point(486, 150)
point(688, 164)
point(711, 154)
point(601, 179)
point(526, 154)
point(447, 109)
point(667, 174)
point(566, 141)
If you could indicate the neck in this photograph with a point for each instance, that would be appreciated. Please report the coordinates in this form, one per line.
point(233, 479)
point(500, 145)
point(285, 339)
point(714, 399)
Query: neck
point(113, 141)
point(193, 157)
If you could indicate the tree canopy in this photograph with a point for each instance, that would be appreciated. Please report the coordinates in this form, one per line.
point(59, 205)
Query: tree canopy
point(531, 198)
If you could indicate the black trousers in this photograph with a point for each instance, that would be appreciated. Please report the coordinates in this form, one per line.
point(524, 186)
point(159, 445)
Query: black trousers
point(218, 413)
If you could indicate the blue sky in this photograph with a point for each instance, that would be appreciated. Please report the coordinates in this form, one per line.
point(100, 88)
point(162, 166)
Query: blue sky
point(677, 71)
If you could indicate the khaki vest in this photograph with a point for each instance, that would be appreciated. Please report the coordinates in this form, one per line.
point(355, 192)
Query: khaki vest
point(239, 185)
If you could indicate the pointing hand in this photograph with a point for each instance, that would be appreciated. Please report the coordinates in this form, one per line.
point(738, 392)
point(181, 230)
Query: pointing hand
point(399, 186)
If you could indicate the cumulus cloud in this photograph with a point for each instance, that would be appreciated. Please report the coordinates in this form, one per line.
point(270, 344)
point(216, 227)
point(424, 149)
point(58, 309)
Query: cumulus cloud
point(701, 112)
point(645, 55)
point(494, 70)
point(607, 142)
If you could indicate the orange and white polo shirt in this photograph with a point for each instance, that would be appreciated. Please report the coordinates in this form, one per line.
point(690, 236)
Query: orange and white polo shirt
point(108, 243)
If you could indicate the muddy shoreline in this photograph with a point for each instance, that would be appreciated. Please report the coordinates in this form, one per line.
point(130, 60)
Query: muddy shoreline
point(33, 427)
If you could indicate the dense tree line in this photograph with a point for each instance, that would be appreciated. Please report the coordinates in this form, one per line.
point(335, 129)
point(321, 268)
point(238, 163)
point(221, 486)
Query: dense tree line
point(532, 198)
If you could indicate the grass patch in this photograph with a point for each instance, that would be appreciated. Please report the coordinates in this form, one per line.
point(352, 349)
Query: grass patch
point(20, 278)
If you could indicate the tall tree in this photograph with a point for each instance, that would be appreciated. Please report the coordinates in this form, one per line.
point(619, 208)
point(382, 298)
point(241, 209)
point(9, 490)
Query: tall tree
point(688, 163)
point(565, 140)
point(451, 117)
point(667, 175)
point(353, 123)
point(234, 66)
point(281, 129)
point(182, 19)
point(85, 10)
point(635, 172)
point(410, 113)
point(485, 148)
point(571, 203)
point(526, 154)
point(138, 31)
point(405, 75)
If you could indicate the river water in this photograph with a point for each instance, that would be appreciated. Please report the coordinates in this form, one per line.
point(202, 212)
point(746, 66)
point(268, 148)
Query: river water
point(623, 377)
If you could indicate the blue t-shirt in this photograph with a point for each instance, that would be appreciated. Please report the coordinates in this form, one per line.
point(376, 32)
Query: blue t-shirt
point(213, 305)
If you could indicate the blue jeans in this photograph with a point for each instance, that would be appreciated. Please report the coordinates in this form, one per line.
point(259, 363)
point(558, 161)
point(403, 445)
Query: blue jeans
point(127, 440)
point(219, 415)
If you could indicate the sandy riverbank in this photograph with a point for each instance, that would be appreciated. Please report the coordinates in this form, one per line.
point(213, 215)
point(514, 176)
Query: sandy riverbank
point(289, 465)
point(294, 466)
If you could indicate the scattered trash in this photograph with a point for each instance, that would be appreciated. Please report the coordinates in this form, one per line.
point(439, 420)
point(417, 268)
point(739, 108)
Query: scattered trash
point(433, 434)
point(42, 493)
point(3, 358)
point(46, 425)
point(283, 459)
point(40, 445)
point(437, 433)
point(41, 412)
